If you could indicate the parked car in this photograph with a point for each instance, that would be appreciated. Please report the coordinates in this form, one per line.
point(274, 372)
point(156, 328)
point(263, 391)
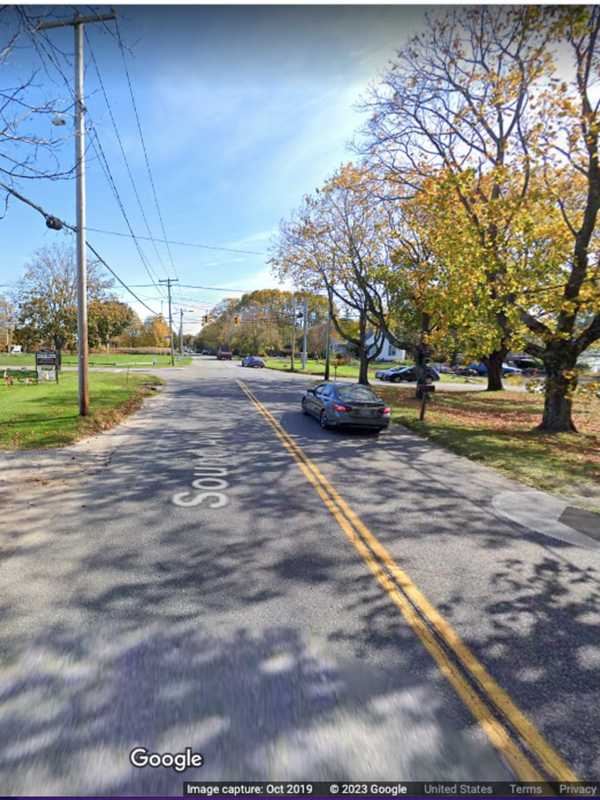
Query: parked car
point(346, 405)
point(507, 370)
point(223, 354)
point(466, 371)
point(528, 364)
point(398, 374)
point(252, 361)
point(443, 369)
point(481, 369)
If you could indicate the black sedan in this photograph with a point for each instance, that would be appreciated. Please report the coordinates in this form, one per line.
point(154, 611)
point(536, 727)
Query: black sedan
point(398, 374)
point(346, 405)
point(252, 361)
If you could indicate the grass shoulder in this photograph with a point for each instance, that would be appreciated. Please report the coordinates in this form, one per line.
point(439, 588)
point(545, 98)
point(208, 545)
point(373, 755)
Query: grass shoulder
point(498, 429)
point(119, 360)
point(47, 414)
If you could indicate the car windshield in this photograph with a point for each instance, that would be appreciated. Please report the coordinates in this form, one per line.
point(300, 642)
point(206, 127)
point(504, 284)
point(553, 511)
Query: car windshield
point(356, 393)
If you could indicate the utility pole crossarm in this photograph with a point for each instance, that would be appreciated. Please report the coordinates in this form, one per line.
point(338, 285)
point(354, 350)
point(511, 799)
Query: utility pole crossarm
point(61, 23)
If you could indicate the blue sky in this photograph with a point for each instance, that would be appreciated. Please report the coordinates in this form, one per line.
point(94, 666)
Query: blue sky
point(244, 109)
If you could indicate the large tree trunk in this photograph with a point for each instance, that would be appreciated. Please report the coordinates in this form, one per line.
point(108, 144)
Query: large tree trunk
point(363, 352)
point(494, 362)
point(422, 353)
point(363, 370)
point(561, 382)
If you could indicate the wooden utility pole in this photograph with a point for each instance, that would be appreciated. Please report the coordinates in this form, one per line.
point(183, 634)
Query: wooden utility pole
point(168, 282)
point(82, 317)
point(293, 331)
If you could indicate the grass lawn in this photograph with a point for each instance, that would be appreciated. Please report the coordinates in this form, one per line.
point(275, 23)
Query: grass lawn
point(317, 368)
point(314, 367)
point(46, 415)
point(497, 429)
point(99, 360)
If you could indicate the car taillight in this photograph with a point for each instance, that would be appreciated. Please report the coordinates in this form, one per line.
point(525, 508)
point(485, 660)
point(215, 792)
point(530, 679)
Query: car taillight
point(341, 408)
point(386, 411)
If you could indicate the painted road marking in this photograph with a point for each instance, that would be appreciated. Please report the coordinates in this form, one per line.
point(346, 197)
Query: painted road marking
point(426, 621)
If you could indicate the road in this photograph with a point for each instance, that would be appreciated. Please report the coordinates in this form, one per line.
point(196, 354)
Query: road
point(342, 606)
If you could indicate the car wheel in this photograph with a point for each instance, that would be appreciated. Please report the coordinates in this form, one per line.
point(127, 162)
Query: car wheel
point(323, 421)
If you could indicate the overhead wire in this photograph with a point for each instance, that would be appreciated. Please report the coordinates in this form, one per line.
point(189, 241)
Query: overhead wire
point(184, 244)
point(98, 149)
point(141, 134)
point(123, 153)
point(73, 229)
point(208, 288)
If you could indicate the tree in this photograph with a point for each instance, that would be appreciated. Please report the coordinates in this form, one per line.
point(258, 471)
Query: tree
point(460, 297)
point(47, 297)
point(564, 318)
point(455, 101)
point(131, 336)
point(107, 319)
point(25, 153)
point(7, 322)
point(155, 332)
point(335, 242)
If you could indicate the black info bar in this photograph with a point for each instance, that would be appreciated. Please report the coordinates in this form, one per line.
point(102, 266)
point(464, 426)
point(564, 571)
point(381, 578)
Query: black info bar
point(389, 789)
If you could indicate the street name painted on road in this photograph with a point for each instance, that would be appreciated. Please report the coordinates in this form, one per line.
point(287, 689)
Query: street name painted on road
point(209, 477)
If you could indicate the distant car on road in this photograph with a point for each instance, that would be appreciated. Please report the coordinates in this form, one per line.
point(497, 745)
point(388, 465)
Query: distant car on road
point(398, 374)
point(443, 369)
point(481, 369)
point(346, 405)
point(252, 361)
point(223, 354)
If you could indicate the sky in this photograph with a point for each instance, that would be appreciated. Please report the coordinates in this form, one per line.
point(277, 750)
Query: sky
point(243, 109)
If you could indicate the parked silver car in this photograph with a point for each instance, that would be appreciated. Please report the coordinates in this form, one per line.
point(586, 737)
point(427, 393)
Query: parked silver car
point(346, 405)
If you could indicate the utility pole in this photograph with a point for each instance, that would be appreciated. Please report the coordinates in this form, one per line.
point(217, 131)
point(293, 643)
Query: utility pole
point(82, 318)
point(327, 344)
point(304, 334)
point(181, 332)
point(293, 330)
point(182, 311)
point(168, 282)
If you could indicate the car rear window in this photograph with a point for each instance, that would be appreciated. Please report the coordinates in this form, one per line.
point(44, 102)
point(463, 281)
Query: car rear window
point(357, 393)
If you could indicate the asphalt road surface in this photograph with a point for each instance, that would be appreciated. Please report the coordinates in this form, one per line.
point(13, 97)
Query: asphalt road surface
point(294, 604)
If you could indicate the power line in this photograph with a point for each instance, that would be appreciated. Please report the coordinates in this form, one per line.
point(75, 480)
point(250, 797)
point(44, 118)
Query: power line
point(123, 153)
point(139, 126)
point(97, 146)
point(183, 244)
point(51, 222)
point(210, 288)
point(99, 150)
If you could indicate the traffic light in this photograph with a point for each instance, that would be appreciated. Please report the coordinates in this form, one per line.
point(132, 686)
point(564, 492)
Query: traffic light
point(236, 320)
point(205, 319)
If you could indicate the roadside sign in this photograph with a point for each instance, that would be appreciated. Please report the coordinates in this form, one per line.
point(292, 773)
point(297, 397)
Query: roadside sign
point(47, 364)
point(47, 359)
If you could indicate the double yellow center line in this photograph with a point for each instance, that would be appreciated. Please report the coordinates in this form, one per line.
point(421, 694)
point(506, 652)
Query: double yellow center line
point(529, 755)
